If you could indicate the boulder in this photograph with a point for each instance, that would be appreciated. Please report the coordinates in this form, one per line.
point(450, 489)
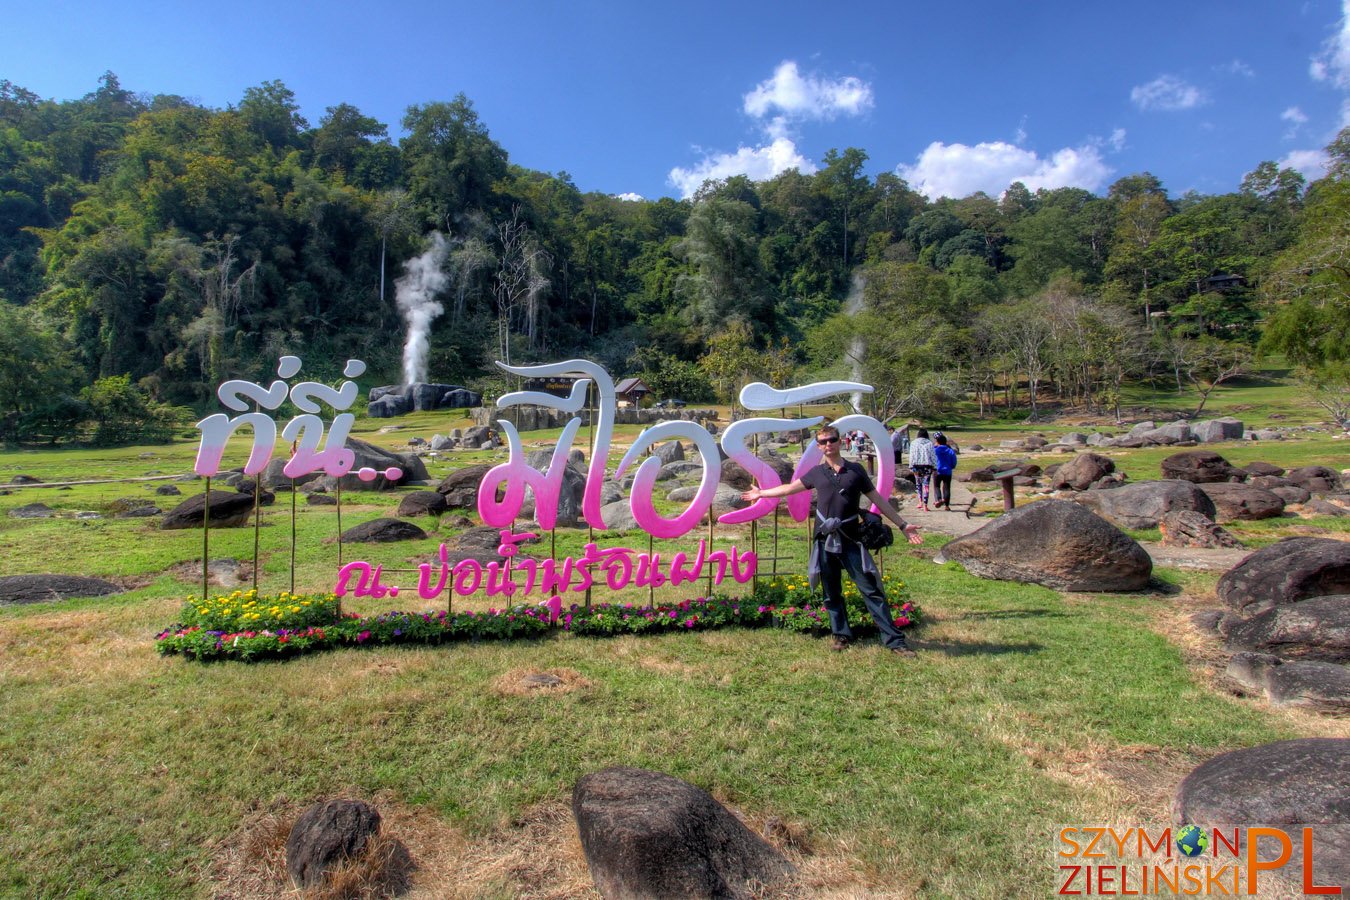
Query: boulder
point(1262, 468)
point(228, 509)
point(326, 835)
point(1324, 508)
point(1141, 427)
point(317, 499)
point(440, 442)
point(734, 475)
point(1266, 434)
point(1286, 784)
point(1080, 472)
point(1318, 479)
point(168, 490)
point(389, 406)
point(32, 511)
point(382, 531)
point(618, 516)
point(370, 456)
point(277, 480)
point(1291, 494)
point(460, 487)
point(1144, 503)
point(1316, 628)
point(17, 589)
point(727, 499)
point(480, 543)
point(646, 834)
point(1288, 572)
point(1200, 467)
point(1310, 684)
point(1235, 502)
point(1187, 528)
point(682, 468)
point(669, 452)
point(1057, 543)
point(138, 512)
point(422, 503)
point(1211, 430)
point(25, 479)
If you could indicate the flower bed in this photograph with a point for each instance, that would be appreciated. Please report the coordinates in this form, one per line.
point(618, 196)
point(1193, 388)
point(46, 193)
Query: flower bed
point(246, 626)
point(791, 604)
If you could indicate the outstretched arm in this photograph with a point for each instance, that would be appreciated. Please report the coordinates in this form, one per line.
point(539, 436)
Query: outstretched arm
point(909, 530)
point(783, 490)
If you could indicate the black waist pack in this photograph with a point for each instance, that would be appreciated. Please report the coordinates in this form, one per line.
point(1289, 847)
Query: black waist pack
point(873, 532)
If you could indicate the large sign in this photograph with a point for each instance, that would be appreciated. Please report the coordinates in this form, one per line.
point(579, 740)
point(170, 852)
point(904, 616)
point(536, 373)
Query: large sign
point(511, 478)
point(615, 567)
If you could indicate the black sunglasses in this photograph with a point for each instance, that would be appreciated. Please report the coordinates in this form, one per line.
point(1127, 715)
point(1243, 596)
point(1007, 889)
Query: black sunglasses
point(823, 441)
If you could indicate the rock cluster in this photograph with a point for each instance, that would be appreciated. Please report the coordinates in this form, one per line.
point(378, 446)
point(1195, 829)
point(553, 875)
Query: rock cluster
point(400, 399)
point(1289, 623)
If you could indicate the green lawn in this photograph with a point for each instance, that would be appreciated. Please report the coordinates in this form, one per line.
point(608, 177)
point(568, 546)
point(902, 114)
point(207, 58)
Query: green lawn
point(123, 773)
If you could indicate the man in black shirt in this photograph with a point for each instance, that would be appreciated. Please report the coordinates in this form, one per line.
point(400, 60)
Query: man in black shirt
point(839, 486)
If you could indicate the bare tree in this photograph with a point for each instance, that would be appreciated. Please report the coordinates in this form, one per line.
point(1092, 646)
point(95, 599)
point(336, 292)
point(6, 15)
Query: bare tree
point(521, 281)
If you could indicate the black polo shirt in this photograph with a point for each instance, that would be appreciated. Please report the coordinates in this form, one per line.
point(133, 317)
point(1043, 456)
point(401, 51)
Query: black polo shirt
point(838, 494)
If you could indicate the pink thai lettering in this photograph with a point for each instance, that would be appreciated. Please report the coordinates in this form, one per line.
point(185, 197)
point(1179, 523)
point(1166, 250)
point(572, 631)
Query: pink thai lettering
point(641, 497)
point(616, 568)
point(367, 581)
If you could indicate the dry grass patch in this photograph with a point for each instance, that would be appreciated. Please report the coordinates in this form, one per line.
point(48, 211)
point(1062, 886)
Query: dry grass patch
point(528, 682)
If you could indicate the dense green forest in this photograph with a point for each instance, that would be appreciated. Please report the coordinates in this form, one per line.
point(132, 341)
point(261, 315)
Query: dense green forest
point(151, 247)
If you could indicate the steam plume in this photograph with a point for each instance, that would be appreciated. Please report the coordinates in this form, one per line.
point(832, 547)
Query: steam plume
point(415, 296)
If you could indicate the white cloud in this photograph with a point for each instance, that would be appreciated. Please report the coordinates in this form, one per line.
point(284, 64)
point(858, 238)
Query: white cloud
point(1236, 67)
point(758, 163)
point(1312, 163)
point(957, 170)
point(1117, 140)
point(1296, 119)
point(1168, 93)
point(778, 104)
point(795, 96)
point(1333, 62)
point(630, 196)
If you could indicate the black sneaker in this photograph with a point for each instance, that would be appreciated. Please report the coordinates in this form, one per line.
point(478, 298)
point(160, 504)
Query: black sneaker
point(839, 644)
point(904, 652)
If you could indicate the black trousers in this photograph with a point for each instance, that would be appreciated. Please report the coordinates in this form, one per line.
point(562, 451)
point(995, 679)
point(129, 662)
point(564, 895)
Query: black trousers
point(942, 489)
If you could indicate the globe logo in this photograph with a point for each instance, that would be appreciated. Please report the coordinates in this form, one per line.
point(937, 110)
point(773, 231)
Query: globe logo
point(1192, 841)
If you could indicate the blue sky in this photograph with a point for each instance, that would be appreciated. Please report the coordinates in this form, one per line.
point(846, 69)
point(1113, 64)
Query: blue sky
point(648, 98)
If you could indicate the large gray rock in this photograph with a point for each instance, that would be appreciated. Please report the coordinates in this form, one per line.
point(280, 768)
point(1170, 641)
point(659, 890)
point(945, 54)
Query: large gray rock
point(1287, 785)
point(32, 511)
point(648, 835)
point(422, 503)
point(277, 480)
point(618, 516)
point(389, 406)
point(461, 486)
point(1288, 572)
point(326, 835)
point(1309, 684)
point(1187, 528)
point(1144, 503)
point(227, 509)
point(1200, 467)
point(1316, 628)
point(1080, 472)
point(669, 452)
point(382, 531)
point(1318, 479)
point(18, 589)
point(1057, 543)
point(1211, 430)
point(370, 456)
point(1235, 502)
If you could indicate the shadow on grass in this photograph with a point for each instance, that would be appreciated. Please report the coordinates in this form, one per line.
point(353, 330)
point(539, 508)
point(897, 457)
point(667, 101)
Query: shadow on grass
point(1008, 614)
point(974, 648)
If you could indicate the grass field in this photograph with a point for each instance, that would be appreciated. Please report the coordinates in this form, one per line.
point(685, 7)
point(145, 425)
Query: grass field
point(127, 774)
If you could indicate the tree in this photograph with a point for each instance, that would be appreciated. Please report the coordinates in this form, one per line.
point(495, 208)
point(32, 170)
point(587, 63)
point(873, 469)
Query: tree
point(451, 163)
point(271, 113)
point(843, 174)
point(522, 278)
point(37, 368)
point(344, 138)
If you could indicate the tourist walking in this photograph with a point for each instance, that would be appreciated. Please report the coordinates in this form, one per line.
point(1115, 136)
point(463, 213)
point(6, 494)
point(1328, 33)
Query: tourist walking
point(839, 485)
point(922, 462)
point(942, 477)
